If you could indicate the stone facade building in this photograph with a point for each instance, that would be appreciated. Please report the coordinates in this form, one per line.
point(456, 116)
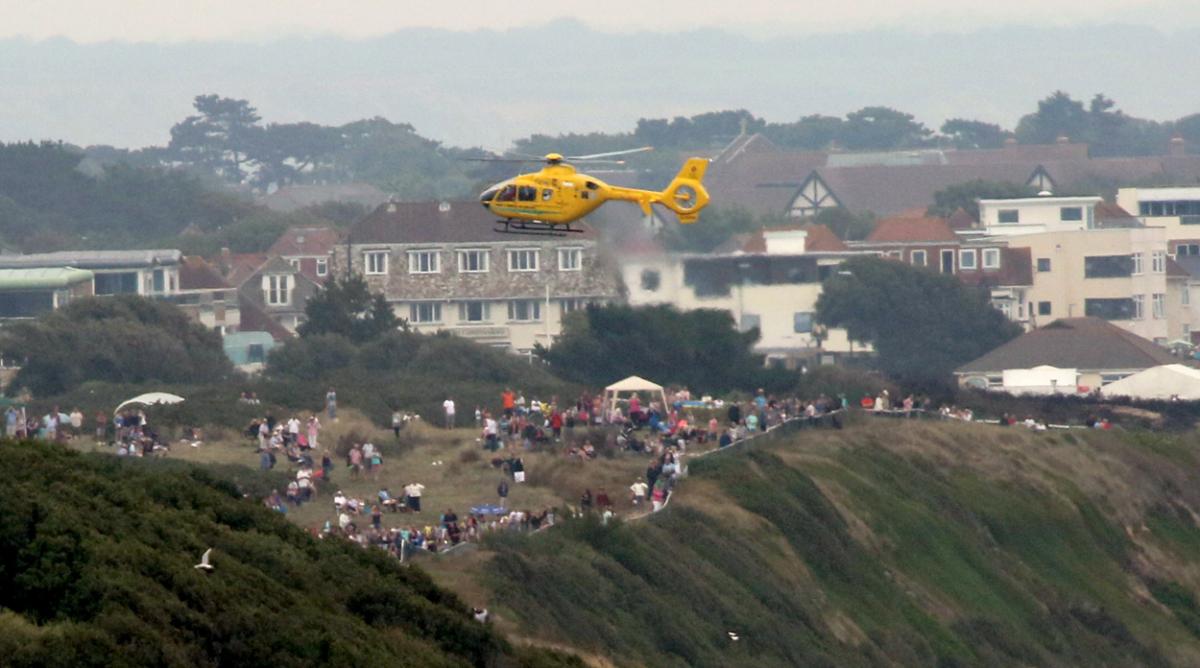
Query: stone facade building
point(444, 267)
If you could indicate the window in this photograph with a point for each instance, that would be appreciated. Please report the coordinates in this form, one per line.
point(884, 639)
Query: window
point(1110, 266)
point(570, 259)
point(547, 195)
point(1070, 213)
point(1187, 249)
point(424, 262)
point(991, 258)
point(523, 260)
point(1158, 305)
point(918, 258)
point(749, 321)
point(527, 193)
point(1008, 216)
point(376, 262)
point(572, 305)
point(1185, 295)
point(424, 312)
point(474, 311)
point(1114, 309)
point(525, 310)
point(966, 259)
point(1043, 264)
point(276, 288)
point(1180, 208)
point(322, 267)
point(507, 194)
point(474, 261)
point(1137, 264)
point(802, 322)
point(650, 280)
point(160, 280)
point(1158, 262)
point(1043, 308)
point(255, 354)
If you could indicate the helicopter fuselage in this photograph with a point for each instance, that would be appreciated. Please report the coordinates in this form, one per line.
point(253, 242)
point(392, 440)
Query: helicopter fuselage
point(556, 194)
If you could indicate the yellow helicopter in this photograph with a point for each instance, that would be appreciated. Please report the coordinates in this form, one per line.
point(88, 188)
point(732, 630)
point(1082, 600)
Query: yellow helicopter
point(548, 201)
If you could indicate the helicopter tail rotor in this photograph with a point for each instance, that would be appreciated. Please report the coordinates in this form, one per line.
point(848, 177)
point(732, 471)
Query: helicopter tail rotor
point(686, 195)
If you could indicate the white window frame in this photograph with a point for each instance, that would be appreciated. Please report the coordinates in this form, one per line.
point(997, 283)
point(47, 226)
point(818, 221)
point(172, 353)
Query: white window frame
point(435, 313)
point(533, 310)
point(485, 311)
point(1001, 213)
point(322, 266)
point(277, 289)
point(572, 304)
point(1139, 307)
point(1158, 305)
point(533, 253)
point(425, 261)
point(575, 252)
point(484, 264)
point(1137, 264)
point(924, 258)
point(1185, 295)
point(962, 259)
point(992, 254)
point(1158, 262)
point(375, 262)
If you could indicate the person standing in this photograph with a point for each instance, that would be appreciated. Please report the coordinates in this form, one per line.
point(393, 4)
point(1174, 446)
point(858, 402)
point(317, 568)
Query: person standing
point(502, 491)
point(331, 404)
point(101, 427)
point(448, 405)
point(314, 428)
point(76, 418)
point(412, 492)
point(10, 422)
point(639, 490)
point(397, 423)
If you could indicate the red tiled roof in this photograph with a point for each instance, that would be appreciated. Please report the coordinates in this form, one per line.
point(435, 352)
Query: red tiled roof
point(820, 239)
point(305, 241)
point(910, 230)
point(255, 319)
point(197, 274)
point(961, 220)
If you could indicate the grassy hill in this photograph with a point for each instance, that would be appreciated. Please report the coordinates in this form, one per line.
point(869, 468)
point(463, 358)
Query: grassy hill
point(885, 544)
point(96, 558)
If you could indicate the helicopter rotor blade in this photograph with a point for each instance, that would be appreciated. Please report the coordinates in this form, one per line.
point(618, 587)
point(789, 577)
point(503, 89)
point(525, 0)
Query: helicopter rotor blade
point(610, 154)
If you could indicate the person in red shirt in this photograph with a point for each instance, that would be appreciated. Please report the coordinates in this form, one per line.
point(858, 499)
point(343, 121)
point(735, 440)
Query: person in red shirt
point(556, 423)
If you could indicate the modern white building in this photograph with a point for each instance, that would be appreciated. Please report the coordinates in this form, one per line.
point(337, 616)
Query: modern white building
point(150, 273)
point(1175, 209)
point(1033, 215)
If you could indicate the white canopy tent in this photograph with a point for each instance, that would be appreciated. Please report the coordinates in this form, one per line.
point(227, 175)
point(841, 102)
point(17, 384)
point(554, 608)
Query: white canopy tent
point(150, 399)
point(629, 387)
point(1159, 382)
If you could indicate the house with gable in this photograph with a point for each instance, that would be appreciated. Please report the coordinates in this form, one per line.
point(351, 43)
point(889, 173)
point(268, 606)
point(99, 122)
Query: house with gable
point(308, 249)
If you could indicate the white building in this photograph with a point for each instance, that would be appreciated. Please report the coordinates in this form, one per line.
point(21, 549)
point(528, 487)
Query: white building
point(1032, 215)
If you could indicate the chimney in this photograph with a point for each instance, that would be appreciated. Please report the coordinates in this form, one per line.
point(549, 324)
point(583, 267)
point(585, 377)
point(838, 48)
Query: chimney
point(1178, 146)
point(226, 260)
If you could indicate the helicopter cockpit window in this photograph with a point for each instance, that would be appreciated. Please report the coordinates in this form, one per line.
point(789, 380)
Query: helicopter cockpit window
point(591, 185)
point(547, 193)
point(527, 193)
point(507, 194)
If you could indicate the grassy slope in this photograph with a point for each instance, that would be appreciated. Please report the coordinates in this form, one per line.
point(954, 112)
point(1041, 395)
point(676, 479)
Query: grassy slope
point(96, 562)
point(887, 544)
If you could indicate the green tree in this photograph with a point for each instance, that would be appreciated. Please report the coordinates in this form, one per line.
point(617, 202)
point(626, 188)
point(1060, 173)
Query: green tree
point(717, 226)
point(881, 128)
point(964, 133)
point(847, 225)
point(811, 133)
point(346, 307)
point(921, 323)
point(125, 339)
point(1058, 115)
point(699, 348)
point(221, 136)
point(966, 196)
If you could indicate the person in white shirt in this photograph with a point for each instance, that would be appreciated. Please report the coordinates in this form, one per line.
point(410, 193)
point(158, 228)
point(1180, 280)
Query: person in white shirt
point(639, 490)
point(413, 492)
point(448, 404)
point(293, 427)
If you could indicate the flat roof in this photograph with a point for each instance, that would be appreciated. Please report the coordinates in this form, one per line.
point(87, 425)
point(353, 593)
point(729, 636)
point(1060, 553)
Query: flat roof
point(43, 278)
point(1167, 194)
point(105, 259)
point(1043, 200)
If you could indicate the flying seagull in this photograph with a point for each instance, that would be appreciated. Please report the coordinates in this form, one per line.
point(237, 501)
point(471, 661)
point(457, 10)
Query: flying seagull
point(204, 565)
point(732, 636)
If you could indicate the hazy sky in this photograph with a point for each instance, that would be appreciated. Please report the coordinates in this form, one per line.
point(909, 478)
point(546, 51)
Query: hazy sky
point(178, 20)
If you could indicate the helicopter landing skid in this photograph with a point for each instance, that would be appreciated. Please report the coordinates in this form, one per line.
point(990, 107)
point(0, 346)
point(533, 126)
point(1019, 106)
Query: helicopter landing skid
point(534, 228)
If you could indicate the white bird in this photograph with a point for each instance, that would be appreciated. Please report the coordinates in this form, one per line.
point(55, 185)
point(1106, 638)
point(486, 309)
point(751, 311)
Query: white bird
point(733, 636)
point(204, 565)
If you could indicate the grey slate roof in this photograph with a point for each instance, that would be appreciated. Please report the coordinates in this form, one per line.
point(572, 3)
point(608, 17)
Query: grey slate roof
point(1073, 343)
point(103, 259)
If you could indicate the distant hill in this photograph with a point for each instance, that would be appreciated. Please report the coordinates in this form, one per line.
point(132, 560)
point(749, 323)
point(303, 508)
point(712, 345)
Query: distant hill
point(490, 88)
point(913, 544)
point(96, 559)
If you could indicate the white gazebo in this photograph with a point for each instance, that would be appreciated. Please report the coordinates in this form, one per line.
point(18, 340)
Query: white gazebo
point(1168, 381)
point(630, 386)
point(150, 399)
